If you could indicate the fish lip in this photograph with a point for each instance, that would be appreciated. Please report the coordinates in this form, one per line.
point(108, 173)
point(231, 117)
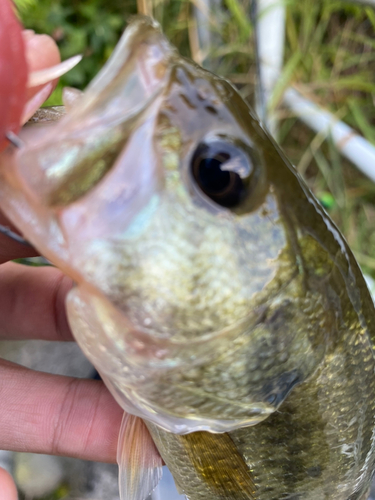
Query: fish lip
point(133, 79)
point(143, 52)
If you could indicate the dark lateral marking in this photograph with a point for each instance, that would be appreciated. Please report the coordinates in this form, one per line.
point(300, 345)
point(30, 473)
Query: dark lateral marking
point(187, 101)
point(211, 110)
point(314, 471)
point(277, 390)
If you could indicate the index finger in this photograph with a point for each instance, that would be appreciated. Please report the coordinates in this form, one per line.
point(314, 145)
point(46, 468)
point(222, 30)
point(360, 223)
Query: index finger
point(13, 71)
point(11, 249)
point(32, 303)
point(57, 415)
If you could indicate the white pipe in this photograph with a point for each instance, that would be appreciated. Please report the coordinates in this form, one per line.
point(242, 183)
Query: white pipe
point(353, 146)
point(270, 33)
point(371, 286)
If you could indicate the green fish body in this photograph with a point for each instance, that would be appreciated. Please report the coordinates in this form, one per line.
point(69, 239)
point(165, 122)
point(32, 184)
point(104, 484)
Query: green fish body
point(214, 294)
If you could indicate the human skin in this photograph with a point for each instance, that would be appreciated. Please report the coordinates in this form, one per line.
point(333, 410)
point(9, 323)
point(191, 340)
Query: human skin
point(40, 412)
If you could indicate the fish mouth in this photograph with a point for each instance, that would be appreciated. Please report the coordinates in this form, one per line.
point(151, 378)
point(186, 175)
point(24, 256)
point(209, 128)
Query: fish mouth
point(133, 76)
point(74, 156)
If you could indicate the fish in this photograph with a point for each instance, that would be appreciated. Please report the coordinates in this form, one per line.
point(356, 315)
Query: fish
point(218, 301)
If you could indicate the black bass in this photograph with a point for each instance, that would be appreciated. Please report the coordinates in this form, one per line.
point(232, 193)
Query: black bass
point(214, 295)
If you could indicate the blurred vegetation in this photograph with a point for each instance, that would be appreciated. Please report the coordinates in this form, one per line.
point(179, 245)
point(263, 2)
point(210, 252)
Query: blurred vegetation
point(91, 28)
point(61, 493)
point(335, 66)
point(329, 57)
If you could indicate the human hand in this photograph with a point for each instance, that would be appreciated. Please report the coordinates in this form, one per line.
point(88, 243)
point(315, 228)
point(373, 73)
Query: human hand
point(40, 412)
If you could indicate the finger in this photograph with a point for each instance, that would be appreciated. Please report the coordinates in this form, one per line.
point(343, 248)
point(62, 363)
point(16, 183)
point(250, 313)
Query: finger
point(10, 249)
point(32, 303)
point(41, 52)
point(13, 71)
point(57, 415)
point(8, 490)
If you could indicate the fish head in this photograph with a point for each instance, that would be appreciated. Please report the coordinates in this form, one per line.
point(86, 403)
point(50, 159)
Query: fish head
point(201, 276)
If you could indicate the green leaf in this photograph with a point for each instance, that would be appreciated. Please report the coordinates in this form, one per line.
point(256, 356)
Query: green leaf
point(361, 120)
point(240, 17)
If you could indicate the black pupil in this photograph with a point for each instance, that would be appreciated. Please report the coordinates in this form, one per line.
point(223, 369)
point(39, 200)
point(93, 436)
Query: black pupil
point(213, 178)
point(215, 170)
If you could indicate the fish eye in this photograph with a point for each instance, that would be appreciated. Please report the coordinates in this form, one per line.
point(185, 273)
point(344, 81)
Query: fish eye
point(228, 171)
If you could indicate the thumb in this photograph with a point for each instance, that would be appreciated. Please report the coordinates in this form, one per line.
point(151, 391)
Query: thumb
point(8, 490)
point(41, 52)
point(13, 71)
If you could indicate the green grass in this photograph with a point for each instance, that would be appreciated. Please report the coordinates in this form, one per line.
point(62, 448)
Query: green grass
point(337, 70)
point(329, 56)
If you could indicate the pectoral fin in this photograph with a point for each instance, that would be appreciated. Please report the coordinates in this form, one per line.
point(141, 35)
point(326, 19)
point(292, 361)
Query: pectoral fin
point(206, 466)
point(218, 462)
point(140, 465)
